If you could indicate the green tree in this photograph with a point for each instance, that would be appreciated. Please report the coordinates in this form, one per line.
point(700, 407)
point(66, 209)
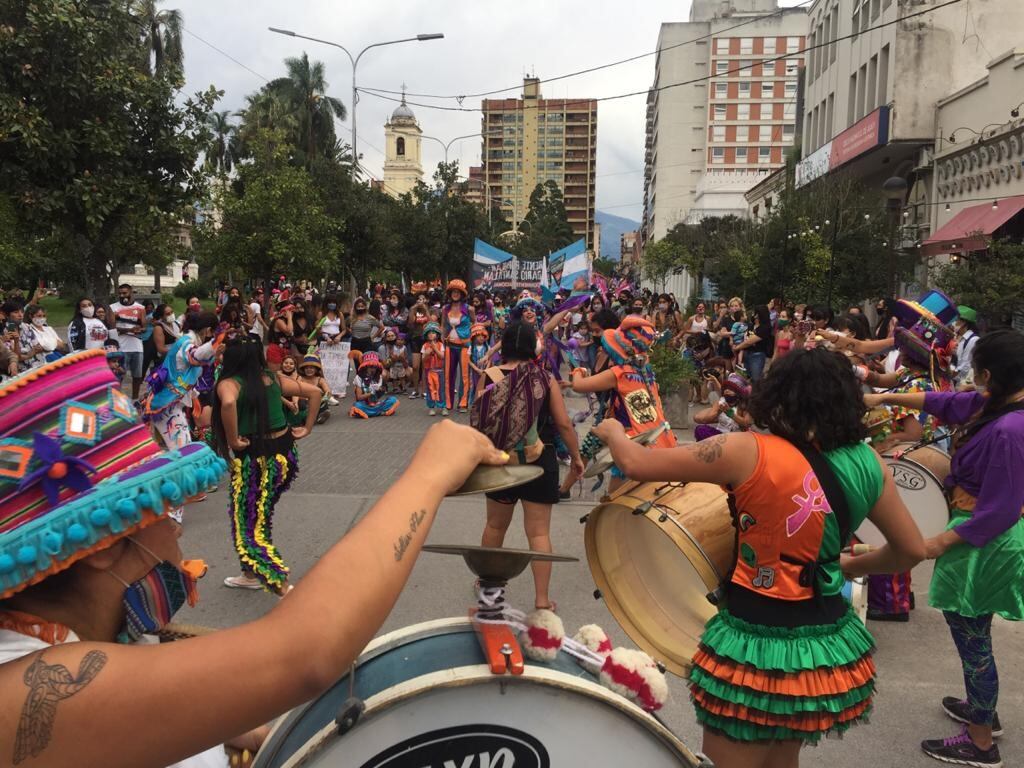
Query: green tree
point(220, 151)
point(991, 282)
point(89, 146)
point(604, 266)
point(305, 89)
point(547, 226)
point(161, 36)
point(273, 221)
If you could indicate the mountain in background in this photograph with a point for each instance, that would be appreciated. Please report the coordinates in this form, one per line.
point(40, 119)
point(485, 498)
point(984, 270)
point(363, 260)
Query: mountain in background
point(612, 227)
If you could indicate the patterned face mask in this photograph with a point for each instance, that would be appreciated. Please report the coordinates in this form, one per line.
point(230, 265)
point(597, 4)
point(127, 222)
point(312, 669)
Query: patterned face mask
point(152, 601)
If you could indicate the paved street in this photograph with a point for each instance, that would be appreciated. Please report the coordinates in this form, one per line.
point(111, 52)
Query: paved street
point(347, 463)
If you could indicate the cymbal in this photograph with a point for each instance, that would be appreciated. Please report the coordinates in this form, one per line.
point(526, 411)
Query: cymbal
point(496, 563)
point(487, 478)
point(603, 461)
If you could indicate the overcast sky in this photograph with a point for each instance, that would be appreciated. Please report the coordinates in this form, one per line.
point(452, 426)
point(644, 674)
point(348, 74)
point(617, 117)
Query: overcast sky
point(488, 45)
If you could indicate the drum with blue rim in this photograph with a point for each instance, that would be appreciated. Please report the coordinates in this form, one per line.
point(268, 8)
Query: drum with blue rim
point(424, 697)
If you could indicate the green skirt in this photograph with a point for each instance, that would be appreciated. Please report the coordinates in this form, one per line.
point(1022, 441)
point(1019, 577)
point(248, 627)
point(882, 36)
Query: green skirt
point(977, 581)
point(754, 683)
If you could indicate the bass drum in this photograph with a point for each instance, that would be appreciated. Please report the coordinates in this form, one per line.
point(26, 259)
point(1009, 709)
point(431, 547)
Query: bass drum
point(655, 551)
point(918, 476)
point(431, 701)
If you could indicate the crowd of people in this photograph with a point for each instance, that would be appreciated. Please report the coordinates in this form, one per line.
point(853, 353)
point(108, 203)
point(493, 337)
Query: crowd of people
point(794, 406)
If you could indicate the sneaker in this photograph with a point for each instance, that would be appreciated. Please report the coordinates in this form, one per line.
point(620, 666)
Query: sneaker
point(444, 411)
point(413, 395)
point(463, 410)
point(958, 710)
point(431, 412)
point(242, 582)
point(961, 750)
point(332, 400)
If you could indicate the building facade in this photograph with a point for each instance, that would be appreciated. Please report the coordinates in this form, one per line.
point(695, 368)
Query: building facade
point(532, 140)
point(474, 188)
point(710, 140)
point(402, 147)
point(764, 197)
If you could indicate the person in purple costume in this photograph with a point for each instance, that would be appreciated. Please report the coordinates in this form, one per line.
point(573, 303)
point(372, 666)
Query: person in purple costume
point(979, 558)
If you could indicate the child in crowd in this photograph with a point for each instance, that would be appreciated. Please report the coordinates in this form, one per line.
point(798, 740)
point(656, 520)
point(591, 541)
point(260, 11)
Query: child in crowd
point(395, 358)
point(738, 333)
point(478, 355)
point(371, 399)
point(728, 413)
point(293, 410)
point(312, 372)
point(115, 359)
point(278, 349)
point(585, 350)
point(433, 369)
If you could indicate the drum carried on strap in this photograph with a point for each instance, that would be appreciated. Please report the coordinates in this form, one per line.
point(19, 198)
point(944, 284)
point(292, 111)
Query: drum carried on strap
point(918, 475)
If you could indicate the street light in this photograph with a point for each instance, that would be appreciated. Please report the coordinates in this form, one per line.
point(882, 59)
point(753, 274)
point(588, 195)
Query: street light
point(447, 145)
point(355, 63)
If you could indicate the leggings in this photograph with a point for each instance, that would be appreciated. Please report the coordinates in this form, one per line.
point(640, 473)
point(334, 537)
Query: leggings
point(456, 357)
point(973, 639)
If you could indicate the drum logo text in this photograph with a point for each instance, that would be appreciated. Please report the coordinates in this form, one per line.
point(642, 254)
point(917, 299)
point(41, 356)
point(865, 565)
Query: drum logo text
point(465, 746)
point(906, 477)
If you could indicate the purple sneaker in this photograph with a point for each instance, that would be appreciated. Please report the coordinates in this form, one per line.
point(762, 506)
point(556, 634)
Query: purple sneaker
point(961, 750)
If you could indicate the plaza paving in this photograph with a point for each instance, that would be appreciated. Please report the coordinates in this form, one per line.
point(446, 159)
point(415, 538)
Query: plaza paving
point(347, 463)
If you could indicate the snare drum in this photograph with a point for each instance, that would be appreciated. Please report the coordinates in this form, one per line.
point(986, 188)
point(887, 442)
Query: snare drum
point(431, 700)
point(655, 551)
point(918, 476)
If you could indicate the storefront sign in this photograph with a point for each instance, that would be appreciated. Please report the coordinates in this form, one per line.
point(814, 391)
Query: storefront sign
point(863, 136)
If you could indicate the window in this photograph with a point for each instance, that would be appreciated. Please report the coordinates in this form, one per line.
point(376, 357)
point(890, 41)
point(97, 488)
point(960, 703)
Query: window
point(744, 90)
point(874, 9)
point(862, 82)
point(718, 154)
point(792, 44)
point(721, 90)
point(791, 88)
point(872, 82)
point(767, 90)
point(830, 116)
point(746, 68)
point(833, 48)
point(721, 67)
point(764, 155)
point(742, 110)
point(856, 22)
point(769, 46)
point(400, 147)
point(765, 134)
point(792, 66)
point(747, 44)
point(718, 133)
point(788, 132)
point(721, 112)
point(883, 76)
point(789, 111)
point(722, 45)
point(851, 104)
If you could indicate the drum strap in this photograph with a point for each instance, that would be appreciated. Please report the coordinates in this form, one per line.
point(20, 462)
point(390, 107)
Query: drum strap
point(975, 427)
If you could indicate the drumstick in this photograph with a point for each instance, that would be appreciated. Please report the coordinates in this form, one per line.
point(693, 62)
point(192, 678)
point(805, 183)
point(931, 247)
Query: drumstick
point(858, 549)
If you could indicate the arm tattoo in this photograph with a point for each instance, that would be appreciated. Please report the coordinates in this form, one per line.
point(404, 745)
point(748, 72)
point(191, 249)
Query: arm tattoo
point(48, 684)
point(710, 450)
point(406, 538)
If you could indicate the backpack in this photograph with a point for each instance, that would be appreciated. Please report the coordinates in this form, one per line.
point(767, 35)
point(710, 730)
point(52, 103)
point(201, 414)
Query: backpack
point(508, 409)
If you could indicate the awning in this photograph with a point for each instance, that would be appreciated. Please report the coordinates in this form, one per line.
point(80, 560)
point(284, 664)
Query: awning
point(972, 227)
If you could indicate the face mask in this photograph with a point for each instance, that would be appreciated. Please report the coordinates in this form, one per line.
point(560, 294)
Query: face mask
point(663, 307)
point(168, 318)
point(783, 322)
point(332, 307)
point(88, 311)
point(38, 322)
point(126, 300)
point(360, 310)
point(151, 602)
point(637, 310)
point(394, 302)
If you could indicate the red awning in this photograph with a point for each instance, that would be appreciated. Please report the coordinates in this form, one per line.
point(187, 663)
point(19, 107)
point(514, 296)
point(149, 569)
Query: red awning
point(971, 228)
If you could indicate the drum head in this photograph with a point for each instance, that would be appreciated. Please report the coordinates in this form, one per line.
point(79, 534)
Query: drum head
point(654, 574)
point(920, 487)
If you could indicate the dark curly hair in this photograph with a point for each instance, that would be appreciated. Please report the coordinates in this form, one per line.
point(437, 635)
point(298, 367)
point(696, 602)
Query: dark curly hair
point(811, 395)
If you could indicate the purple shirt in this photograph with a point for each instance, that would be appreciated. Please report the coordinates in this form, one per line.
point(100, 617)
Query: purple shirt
point(990, 466)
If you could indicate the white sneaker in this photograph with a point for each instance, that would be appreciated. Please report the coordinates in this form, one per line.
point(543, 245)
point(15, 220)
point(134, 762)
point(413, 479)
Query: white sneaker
point(242, 582)
point(333, 400)
point(444, 411)
point(432, 412)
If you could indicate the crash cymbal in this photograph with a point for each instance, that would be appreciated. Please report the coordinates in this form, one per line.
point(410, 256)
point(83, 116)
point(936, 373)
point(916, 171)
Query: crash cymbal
point(603, 461)
point(496, 563)
point(487, 478)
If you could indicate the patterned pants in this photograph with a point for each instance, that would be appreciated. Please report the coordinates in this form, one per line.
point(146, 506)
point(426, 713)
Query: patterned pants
point(172, 426)
point(973, 639)
point(889, 593)
point(256, 486)
point(433, 392)
point(365, 409)
point(456, 358)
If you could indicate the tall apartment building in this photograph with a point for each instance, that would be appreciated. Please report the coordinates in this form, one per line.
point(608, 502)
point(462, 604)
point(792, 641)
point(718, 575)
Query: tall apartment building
point(531, 140)
point(710, 141)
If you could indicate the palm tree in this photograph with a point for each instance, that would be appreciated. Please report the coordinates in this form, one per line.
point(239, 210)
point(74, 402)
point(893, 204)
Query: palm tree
point(265, 109)
point(306, 88)
point(161, 35)
point(220, 152)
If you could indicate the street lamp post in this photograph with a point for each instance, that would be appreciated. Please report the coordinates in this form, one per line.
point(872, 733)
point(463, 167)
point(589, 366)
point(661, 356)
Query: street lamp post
point(448, 145)
point(355, 64)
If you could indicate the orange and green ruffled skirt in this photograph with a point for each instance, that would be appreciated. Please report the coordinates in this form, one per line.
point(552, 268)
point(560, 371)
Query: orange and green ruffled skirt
point(755, 683)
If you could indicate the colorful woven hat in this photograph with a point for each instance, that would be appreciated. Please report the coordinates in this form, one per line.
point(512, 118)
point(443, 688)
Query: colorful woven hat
point(432, 326)
point(419, 287)
point(312, 360)
point(456, 285)
point(640, 332)
point(528, 302)
point(478, 329)
point(79, 469)
point(370, 360)
point(935, 305)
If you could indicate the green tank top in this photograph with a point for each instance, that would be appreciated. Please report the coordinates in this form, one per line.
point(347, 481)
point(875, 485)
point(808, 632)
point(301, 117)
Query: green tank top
point(247, 420)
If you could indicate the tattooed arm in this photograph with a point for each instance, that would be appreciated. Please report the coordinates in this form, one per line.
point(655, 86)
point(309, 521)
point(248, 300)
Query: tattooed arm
point(86, 704)
point(725, 459)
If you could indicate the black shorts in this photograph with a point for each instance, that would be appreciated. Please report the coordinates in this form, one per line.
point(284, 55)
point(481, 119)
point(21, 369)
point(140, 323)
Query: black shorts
point(543, 490)
point(416, 344)
point(206, 399)
point(363, 345)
